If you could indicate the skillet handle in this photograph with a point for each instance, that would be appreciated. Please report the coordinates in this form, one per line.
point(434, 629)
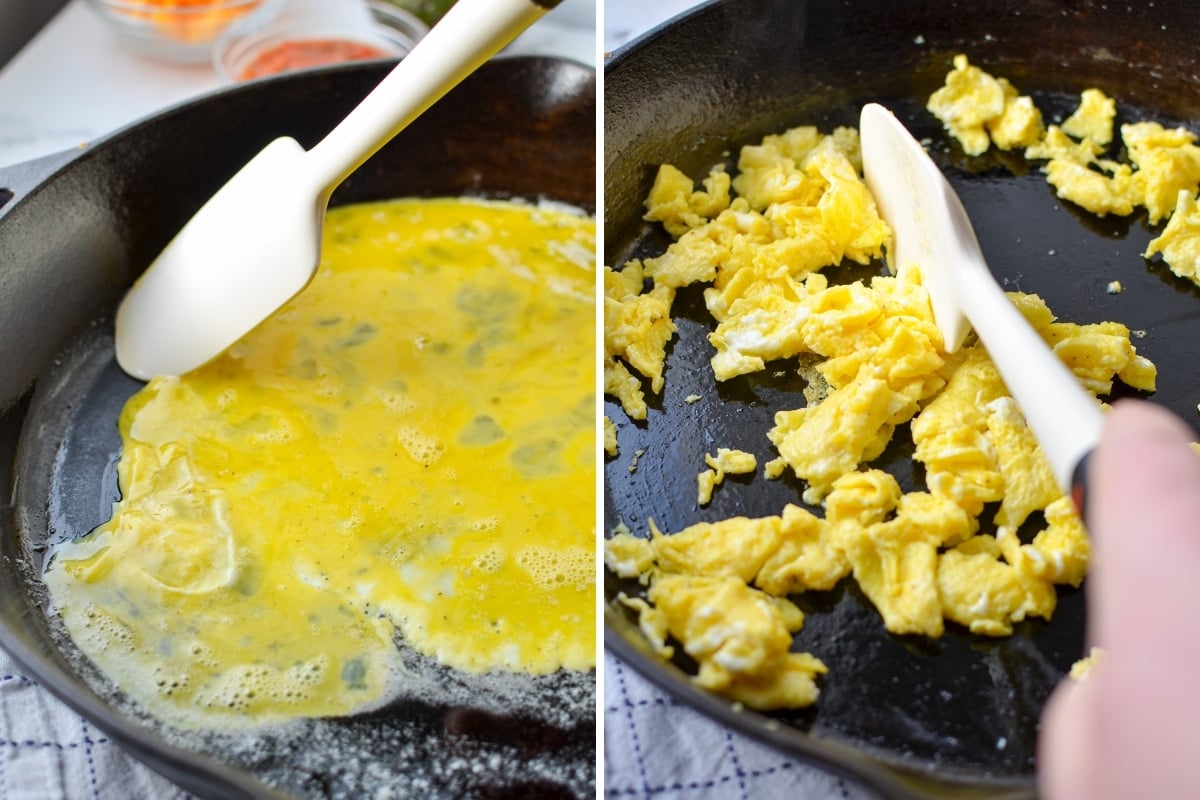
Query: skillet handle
point(18, 180)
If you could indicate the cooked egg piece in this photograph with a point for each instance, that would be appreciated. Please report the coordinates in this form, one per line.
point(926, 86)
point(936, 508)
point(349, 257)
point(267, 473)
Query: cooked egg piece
point(1179, 241)
point(969, 100)
point(610, 437)
point(637, 327)
point(1084, 666)
point(741, 639)
point(675, 203)
point(726, 462)
point(1093, 119)
point(1168, 162)
point(1019, 124)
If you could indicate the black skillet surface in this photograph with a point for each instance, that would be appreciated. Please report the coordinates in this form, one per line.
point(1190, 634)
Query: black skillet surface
point(903, 715)
point(74, 232)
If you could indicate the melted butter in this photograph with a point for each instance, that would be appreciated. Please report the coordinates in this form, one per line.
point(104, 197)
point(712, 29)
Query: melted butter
point(408, 444)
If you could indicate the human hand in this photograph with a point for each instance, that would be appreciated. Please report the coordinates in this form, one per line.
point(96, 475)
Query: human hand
point(1129, 729)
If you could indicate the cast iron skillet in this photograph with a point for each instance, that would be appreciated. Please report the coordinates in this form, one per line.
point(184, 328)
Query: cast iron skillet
point(902, 715)
point(76, 229)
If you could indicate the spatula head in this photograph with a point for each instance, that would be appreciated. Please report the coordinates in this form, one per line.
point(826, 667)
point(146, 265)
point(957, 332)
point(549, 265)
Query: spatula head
point(249, 249)
point(930, 227)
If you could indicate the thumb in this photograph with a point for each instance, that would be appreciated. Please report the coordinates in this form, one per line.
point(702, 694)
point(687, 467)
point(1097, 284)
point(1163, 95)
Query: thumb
point(1144, 517)
point(1126, 729)
point(1144, 466)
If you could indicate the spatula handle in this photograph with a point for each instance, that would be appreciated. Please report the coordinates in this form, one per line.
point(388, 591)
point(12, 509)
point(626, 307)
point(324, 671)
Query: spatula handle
point(471, 32)
point(1064, 417)
point(931, 228)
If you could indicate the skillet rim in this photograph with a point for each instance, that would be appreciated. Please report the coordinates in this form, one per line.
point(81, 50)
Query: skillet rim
point(887, 779)
point(673, 681)
point(191, 769)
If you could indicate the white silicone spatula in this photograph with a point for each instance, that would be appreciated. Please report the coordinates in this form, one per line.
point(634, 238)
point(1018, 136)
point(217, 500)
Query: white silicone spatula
point(256, 242)
point(931, 229)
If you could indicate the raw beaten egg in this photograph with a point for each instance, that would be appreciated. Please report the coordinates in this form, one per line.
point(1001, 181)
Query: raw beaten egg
point(406, 449)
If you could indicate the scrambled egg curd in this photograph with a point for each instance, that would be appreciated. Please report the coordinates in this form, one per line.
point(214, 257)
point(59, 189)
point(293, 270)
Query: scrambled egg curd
point(1162, 174)
point(409, 444)
point(726, 462)
point(762, 242)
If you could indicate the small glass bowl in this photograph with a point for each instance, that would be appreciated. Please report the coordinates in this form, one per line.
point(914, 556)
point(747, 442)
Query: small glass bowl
point(181, 31)
point(392, 34)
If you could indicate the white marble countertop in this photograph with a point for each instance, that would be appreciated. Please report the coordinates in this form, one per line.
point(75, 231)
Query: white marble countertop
point(74, 81)
point(624, 20)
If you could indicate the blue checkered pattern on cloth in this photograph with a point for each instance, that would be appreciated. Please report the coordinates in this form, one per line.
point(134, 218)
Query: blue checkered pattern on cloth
point(48, 752)
point(658, 749)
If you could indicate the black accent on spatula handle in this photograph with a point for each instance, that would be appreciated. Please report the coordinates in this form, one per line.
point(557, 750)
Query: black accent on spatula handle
point(1079, 488)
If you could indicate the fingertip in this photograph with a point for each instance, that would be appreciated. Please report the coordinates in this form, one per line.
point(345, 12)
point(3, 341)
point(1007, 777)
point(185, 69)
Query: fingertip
point(1062, 772)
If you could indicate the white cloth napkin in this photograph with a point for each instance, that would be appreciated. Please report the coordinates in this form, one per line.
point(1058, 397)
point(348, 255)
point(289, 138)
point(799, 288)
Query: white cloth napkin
point(658, 749)
point(48, 752)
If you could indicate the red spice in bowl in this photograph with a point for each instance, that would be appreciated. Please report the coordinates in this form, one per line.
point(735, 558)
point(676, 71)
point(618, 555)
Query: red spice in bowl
point(243, 55)
point(303, 53)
